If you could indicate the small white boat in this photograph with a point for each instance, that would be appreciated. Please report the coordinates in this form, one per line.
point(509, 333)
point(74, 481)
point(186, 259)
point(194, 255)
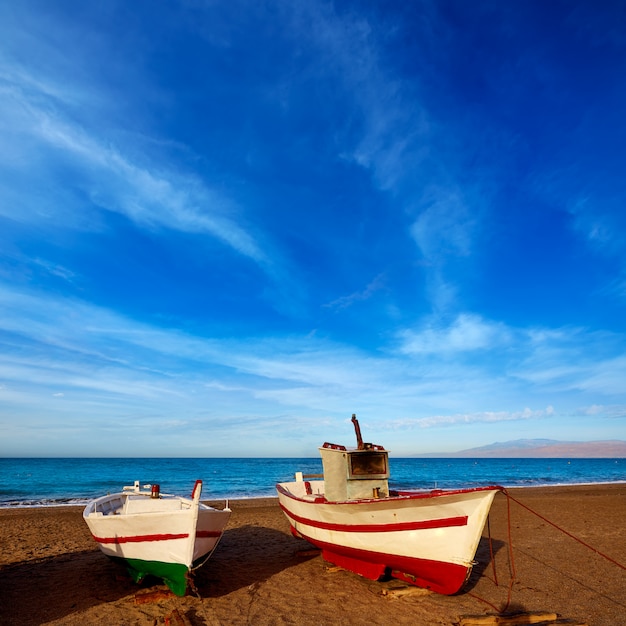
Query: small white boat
point(156, 534)
point(426, 538)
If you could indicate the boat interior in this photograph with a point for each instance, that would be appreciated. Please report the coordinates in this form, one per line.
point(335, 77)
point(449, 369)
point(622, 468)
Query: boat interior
point(312, 490)
point(127, 504)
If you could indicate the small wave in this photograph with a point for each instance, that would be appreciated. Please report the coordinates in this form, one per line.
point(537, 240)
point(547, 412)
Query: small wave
point(43, 502)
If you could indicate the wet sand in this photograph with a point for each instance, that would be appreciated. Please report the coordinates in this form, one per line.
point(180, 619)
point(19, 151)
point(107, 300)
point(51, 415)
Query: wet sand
point(52, 572)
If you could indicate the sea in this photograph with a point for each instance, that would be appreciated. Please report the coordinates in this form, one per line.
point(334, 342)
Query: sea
point(44, 482)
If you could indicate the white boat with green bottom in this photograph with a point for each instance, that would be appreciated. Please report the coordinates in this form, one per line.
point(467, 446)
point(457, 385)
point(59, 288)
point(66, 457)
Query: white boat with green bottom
point(156, 534)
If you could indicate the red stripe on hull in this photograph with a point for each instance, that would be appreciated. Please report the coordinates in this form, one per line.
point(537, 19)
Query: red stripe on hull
point(444, 578)
point(200, 534)
point(446, 522)
point(140, 538)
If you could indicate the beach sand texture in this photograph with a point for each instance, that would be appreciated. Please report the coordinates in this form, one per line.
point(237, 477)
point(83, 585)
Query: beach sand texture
point(52, 572)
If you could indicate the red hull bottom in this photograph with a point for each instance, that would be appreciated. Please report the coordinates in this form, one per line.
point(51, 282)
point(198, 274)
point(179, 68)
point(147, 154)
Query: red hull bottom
point(443, 578)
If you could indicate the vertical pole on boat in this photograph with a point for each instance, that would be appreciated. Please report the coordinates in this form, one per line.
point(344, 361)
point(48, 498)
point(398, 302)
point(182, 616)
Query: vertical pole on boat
point(193, 531)
point(357, 428)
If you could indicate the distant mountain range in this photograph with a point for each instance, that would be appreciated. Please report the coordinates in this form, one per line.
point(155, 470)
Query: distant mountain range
point(541, 448)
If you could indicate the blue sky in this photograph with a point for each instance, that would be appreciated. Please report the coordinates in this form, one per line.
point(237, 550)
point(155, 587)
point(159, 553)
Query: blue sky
point(227, 226)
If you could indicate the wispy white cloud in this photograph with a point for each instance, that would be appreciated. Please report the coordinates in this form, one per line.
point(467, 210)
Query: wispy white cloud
point(488, 417)
point(54, 269)
point(373, 287)
point(573, 359)
point(150, 194)
point(385, 132)
point(467, 333)
point(610, 411)
point(444, 226)
point(399, 142)
point(444, 231)
point(598, 223)
point(588, 197)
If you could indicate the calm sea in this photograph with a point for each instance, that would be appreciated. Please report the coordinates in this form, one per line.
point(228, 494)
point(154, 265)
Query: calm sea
point(50, 482)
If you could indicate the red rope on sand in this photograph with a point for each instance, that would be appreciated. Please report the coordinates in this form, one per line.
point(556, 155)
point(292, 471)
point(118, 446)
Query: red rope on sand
point(493, 561)
point(493, 606)
point(509, 497)
point(608, 558)
point(511, 559)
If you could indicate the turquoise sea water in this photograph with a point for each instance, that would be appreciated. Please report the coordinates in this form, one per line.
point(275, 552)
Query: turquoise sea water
point(49, 482)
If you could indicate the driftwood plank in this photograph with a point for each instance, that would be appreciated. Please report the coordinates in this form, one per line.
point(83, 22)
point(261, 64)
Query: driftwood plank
point(398, 592)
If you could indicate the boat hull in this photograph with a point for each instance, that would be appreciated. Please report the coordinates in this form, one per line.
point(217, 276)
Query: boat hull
point(428, 539)
point(166, 538)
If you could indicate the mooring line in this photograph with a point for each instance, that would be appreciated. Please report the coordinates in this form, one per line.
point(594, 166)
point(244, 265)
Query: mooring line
point(545, 519)
point(512, 571)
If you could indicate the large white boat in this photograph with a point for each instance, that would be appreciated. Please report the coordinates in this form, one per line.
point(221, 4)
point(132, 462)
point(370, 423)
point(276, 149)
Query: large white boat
point(156, 534)
point(426, 538)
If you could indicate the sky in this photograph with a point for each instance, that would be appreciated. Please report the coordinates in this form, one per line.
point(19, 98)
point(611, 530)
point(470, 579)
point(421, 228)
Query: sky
point(225, 227)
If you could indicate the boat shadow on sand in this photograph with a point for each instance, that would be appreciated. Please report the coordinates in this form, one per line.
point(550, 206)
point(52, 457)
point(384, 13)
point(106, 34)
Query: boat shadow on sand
point(246, 556)
point(53, 588)
point(252, 554)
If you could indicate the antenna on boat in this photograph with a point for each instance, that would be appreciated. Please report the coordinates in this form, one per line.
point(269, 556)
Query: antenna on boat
point(357, 428)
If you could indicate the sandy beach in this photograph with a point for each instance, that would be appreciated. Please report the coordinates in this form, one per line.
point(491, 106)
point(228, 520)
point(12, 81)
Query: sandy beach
point(52, 572)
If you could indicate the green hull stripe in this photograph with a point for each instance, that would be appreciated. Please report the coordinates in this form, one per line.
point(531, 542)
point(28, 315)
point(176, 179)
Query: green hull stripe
point(174, 575)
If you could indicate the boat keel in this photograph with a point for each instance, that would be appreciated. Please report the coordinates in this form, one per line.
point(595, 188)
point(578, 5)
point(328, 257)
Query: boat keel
point(174, 575)
point(373, 571)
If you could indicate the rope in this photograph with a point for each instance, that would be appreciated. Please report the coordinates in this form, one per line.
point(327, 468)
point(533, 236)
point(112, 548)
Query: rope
point(493, 606)
point(608, 558)
point(511, 559)
point(493, 563)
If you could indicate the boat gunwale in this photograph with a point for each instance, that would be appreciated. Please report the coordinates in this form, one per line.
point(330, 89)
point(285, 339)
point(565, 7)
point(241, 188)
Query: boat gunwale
point(402, 496)
point(92, 506)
